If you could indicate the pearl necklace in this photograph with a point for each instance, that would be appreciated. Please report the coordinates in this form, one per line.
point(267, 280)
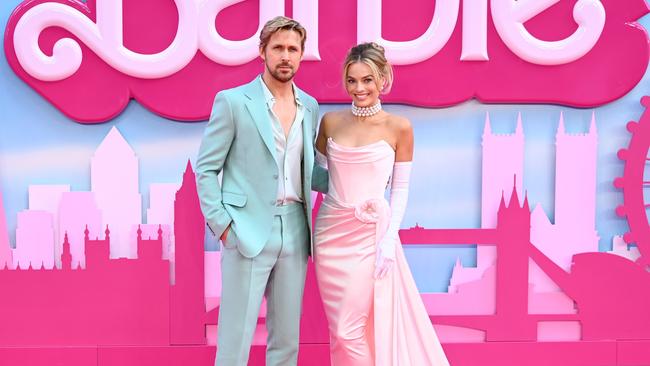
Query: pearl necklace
point(366, 111)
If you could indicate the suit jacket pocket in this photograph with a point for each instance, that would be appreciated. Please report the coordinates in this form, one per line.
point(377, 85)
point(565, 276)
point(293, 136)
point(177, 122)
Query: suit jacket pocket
point(234, 199)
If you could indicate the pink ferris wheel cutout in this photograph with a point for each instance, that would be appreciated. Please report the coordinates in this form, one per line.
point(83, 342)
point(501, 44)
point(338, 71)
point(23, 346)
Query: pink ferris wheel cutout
point(633, 185)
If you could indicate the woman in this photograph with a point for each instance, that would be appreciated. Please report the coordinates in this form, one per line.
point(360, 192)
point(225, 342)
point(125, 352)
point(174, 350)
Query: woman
point(374, 311)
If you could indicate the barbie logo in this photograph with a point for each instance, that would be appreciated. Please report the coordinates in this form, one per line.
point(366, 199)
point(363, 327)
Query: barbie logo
point(195, 33)
point(130, 45)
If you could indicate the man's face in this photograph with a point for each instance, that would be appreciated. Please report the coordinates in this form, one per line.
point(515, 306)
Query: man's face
point(282, 55)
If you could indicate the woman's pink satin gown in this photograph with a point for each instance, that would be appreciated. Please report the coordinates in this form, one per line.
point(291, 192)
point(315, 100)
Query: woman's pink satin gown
point(371, 322)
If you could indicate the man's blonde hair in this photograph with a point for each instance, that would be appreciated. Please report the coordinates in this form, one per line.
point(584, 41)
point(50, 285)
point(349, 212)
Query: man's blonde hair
point(282, 23)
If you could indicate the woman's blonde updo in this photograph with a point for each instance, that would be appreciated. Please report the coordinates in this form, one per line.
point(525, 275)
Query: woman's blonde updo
point(372, 55)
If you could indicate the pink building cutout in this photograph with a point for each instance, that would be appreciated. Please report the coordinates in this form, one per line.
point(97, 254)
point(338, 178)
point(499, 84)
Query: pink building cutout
point(620, 247)
point(34, 240)
point(114, 181)
point(6, 258)
point(47, 198)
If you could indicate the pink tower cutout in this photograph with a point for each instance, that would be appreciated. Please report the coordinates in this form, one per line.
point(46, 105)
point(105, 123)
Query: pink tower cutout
point(575, 204)
point(114, 181)
point(187, 310)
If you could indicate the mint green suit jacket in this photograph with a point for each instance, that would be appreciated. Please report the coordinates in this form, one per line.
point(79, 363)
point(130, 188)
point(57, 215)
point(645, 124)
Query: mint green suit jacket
point(238, 141)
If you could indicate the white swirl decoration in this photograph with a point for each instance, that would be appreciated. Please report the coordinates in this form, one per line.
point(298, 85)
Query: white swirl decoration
point(510, 15)
point(227, 52)
point(104, 38)
point(369, 28)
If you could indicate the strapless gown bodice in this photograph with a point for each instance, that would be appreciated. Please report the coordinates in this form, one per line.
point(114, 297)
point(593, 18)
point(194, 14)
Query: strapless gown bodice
point(357, 174)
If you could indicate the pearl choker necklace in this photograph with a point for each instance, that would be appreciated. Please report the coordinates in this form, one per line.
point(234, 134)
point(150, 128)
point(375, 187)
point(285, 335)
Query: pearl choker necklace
point(366, 111)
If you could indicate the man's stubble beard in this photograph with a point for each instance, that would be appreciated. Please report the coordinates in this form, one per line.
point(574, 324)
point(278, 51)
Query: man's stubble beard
point(279, 76)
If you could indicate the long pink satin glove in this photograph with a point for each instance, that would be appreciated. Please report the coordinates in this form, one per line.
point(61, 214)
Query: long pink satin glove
point(399, 193)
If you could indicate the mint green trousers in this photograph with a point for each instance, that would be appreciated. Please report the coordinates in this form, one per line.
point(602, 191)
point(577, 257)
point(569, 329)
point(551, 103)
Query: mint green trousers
point(277, 273)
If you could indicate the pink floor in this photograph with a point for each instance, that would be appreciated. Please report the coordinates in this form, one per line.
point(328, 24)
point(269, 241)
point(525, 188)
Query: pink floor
point(602, 353)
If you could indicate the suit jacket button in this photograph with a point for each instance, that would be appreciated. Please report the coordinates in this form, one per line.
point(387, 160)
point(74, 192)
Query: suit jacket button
point(275, 176)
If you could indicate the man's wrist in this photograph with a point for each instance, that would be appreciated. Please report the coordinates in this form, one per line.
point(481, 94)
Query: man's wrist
point(224, 234)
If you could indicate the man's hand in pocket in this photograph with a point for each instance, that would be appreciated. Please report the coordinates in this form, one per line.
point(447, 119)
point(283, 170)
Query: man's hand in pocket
point(224, 235)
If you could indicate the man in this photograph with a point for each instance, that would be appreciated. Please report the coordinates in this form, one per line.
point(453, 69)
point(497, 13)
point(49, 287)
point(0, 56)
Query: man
point(261, 136)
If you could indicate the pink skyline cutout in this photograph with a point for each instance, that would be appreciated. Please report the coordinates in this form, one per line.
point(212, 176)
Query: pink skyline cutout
point(114, 183)
point(190, 319)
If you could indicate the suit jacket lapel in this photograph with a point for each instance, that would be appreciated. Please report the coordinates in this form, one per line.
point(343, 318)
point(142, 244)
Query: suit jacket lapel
point(307, 136)
point(256, 106)
point(308, 149)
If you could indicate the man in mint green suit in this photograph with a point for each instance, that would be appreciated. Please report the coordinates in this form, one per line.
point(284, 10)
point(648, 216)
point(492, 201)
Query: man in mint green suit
point(260, 136)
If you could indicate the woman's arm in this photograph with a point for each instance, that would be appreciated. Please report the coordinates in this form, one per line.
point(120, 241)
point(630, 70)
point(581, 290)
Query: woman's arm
point(404, 138)
point(320, 177)
point(399, 190)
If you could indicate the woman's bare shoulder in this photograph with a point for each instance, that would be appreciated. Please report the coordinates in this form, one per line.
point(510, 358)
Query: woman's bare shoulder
point(335, 115)
point(333, 118)
point(399, 123)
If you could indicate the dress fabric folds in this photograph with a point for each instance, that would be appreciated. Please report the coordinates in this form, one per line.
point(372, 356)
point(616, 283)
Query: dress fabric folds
point(371, 322)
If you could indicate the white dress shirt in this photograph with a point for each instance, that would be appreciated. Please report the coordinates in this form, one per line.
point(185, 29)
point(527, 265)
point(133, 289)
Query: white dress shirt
point(288, 151)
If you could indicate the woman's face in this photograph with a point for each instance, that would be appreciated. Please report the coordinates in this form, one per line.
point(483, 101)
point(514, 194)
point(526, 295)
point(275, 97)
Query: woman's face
point(361, 85)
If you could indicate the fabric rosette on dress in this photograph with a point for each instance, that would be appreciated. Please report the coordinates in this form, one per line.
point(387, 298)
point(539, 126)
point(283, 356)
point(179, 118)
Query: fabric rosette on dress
point(370, 211)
